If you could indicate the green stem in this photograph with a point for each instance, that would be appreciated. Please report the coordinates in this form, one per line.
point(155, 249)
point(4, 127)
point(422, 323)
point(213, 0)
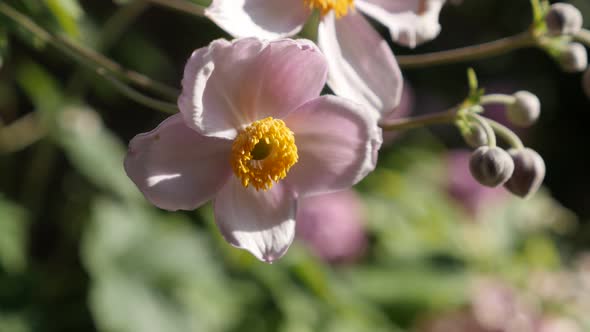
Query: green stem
point(493, 48)
point(86, 56)
point(507, 134)
point(483, 122)
point(181, 6)
point(112, 30)
point(139, 97)
point(421, 121)
point(496, 99)
point(21, 133)
point(583, 37)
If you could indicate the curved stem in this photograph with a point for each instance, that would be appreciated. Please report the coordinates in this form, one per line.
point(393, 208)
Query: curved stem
point(474, 52)
point(86, 56)
point(496, 99)
point(421, 121)
point(182, 6)
point(507, 134)
point(483, 122)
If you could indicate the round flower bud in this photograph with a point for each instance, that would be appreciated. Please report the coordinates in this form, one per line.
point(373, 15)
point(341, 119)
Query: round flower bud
point(564, 19)
point(573, 58)
point(491, 166)
point(525, 110)
point(586, 83)
point(475, 137)
point(529, 172)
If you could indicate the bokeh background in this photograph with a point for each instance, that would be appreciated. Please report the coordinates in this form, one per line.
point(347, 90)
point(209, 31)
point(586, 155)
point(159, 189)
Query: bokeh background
point(418, 246)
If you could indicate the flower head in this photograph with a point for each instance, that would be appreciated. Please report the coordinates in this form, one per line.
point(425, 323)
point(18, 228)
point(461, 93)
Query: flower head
point(361, 64)
point(254, 135)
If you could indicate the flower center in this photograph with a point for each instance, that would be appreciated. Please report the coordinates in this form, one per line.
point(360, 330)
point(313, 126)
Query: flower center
point(340, 7)
point(264, 152)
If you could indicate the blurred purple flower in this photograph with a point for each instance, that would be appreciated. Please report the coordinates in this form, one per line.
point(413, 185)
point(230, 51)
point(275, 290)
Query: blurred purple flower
point(332, 226)
point(464, 188)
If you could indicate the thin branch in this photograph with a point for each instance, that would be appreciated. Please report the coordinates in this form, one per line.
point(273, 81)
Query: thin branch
point(493, 48)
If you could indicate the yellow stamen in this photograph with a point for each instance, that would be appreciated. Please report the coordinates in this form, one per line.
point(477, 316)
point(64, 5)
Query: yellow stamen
point(264, 152)
point(340, 7)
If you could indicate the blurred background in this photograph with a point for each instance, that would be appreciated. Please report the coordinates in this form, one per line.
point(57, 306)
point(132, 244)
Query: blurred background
point(417, 246)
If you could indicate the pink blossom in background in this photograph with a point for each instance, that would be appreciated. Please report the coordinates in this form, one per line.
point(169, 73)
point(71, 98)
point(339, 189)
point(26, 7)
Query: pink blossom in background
point(361, 64)
point(460, 321)
point(254, 135)
point(558, 324)
point(332, 226)
point(461, 185)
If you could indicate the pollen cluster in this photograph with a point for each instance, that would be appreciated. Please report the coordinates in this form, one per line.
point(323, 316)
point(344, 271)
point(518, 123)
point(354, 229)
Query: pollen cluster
point(340, 7)
point(264, 152)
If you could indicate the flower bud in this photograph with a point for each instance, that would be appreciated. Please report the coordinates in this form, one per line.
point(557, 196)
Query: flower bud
point(525, 110)
point(475, 137)
point(491, 166)
point(529, 172)
point(573, 58)
point(564, 19)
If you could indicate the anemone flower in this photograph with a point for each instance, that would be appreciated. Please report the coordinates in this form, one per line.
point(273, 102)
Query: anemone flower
point(362, 66)
point(254, 135)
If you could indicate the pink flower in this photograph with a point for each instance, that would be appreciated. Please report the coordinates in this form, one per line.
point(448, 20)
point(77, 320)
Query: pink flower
point(332, 226)
point(254, 135)
point(362, 66)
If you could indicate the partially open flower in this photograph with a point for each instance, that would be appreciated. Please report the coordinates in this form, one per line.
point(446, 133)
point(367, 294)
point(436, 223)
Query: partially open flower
point(573, 58)
point(525, 110)
point(564, 19)
point(529, 172)
point(254, 135)
point(491, 166)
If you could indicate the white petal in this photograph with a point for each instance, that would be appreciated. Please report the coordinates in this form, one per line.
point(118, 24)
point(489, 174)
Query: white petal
point(175, 167)
point(262, 222)
point(337, 143)
point(410, 22)
point(259, 18)
point(227, 86)
point(361, 64)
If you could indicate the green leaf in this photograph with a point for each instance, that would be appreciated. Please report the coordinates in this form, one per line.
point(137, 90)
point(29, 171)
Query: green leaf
point(43, 90)
point(94, 150)
point(472, 79)
point(159, 265)
point(91, 147)
point(13, 236)
point(4, 46)
point(67, 13)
